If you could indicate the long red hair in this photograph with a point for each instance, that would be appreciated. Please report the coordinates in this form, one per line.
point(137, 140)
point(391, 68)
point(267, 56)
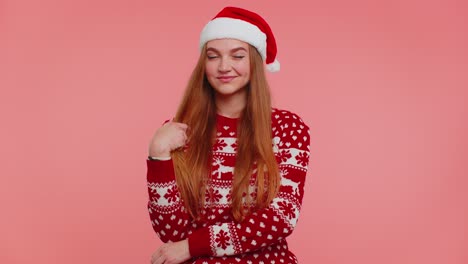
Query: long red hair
point(192, 166)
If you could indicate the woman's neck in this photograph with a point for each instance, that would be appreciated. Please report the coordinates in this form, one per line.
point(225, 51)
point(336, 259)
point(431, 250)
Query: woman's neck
point(230, 105)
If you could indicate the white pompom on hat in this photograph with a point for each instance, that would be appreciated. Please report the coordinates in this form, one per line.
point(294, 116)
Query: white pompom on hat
point(244, 25)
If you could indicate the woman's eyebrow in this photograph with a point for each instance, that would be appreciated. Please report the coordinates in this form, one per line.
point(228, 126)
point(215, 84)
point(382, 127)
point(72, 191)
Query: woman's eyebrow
point(239, 48)
point(233, 50)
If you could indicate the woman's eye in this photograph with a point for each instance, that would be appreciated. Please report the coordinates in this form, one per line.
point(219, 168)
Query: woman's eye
point(211, 56)
point(239, 56)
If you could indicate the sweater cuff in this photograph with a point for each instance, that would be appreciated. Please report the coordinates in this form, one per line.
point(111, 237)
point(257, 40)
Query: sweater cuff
point(160, 170)
point(199, 243)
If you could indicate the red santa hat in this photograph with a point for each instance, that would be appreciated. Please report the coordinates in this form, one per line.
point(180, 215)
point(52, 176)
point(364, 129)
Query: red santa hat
point(244, 25)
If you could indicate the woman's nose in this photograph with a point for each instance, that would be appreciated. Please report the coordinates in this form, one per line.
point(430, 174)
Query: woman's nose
point(224, 65)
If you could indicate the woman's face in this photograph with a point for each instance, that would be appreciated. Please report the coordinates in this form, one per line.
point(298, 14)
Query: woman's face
point(227, 65)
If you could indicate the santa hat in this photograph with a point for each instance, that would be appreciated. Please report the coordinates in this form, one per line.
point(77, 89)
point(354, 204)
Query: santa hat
point(244, 25)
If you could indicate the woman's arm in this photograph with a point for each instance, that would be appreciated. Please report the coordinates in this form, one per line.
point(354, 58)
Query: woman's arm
point(167, 212)
point(275, 222)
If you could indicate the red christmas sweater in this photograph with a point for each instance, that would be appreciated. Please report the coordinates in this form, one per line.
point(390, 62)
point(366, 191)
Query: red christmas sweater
point(261, 236)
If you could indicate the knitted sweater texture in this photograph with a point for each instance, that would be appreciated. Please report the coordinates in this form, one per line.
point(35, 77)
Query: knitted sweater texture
point(261, 236)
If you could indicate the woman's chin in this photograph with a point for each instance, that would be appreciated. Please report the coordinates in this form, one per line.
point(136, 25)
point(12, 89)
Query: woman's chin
point(228, 90)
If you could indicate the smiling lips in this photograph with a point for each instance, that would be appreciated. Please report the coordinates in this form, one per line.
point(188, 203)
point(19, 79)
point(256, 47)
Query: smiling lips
point(226, 79)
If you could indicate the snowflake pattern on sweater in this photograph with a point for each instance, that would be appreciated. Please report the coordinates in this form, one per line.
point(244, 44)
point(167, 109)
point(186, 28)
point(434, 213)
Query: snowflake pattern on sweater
point(261, 236)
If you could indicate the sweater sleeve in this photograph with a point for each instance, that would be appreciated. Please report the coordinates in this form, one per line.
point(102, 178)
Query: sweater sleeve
point(275, 222)
point(166, 209)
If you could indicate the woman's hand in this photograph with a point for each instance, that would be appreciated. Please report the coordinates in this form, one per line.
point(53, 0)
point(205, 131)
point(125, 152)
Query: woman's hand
point(170, 136)
point(171, 253)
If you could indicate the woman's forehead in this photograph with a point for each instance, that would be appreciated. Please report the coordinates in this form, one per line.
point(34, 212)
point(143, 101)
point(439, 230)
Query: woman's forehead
point(226, 44)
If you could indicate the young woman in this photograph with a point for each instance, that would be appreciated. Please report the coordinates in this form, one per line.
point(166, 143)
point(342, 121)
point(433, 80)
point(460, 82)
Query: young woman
point(226, 175)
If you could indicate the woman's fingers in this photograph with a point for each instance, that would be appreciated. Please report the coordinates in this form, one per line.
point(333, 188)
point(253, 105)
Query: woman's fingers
point(157, 259)
point(172, 253)
point(156, 255)
point(181, 133)
point(182, 126)
point(180, 137)
point(178, 125)
point(160, 260)
point(184, 137)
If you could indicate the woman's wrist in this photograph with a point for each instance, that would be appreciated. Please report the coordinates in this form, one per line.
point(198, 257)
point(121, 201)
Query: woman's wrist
point(159, 152)
point(159, 157)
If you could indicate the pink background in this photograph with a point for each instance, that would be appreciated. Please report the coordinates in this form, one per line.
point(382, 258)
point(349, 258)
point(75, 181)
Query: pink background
point(382, 84)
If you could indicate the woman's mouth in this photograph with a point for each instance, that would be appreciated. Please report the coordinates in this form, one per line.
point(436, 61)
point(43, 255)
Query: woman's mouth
point(226, 79)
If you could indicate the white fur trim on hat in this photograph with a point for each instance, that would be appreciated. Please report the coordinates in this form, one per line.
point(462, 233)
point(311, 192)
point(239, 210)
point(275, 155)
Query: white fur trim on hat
point(274, 66)
point(224, 27)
